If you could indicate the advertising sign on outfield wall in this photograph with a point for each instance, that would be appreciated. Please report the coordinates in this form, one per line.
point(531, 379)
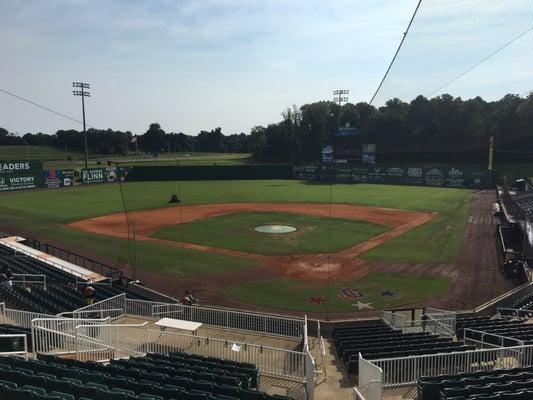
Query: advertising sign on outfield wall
point(93, 175)
point(454, 177)
point(20, 175)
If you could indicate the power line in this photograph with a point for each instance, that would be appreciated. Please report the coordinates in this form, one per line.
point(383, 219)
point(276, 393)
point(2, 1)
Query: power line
point(42, 107)
point(397, 51)
point(482, 61)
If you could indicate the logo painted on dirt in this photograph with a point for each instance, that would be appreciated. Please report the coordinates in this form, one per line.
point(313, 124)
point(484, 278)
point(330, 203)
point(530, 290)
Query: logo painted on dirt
point(316, 300)
point(349, 294)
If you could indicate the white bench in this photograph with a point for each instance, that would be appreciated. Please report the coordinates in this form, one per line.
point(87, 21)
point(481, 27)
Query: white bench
point(179, 324)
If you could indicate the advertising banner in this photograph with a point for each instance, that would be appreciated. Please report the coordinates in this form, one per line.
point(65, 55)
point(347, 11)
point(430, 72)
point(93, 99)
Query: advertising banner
point(52, 178)
point(327, 154)
point(66, 177)
point(93, 175)
point(453, 177)
point(20, 175)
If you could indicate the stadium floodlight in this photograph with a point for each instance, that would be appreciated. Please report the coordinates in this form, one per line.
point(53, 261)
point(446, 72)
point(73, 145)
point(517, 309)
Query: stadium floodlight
point(83, 93)
point(340, 96)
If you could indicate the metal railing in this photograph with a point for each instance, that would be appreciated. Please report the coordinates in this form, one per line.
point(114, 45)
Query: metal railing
point(484, 339)
point(406, 370)
point(394, 320)
point(112, 313)
point(24, 352)
point(82, 261)
point(141, 308)
point(112, 303)
point(59, 335)
point(131, 340)
point(514, 313)
point(246, 321)
point(45, 260)
point(29, 278)
point(18, 317)
point(357, 394)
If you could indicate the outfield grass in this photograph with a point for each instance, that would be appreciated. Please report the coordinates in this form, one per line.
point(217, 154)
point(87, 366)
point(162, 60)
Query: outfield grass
point(236, 232)
point(288, 294)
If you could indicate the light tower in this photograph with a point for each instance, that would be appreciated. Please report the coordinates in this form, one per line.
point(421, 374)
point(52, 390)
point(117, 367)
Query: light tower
point(83, 92)
point(340, 96)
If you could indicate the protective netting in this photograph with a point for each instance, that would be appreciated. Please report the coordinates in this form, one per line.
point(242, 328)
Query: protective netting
point(465, 48)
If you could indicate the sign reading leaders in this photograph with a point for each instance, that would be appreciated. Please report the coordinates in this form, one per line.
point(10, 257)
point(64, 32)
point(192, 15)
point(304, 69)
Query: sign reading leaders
point(93, 175)
point(19, 175)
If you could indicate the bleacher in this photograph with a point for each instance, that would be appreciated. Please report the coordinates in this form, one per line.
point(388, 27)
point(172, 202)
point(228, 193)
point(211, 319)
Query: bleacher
point(380, 341)
point(157, 377)
point(502, 327)
point(523, 303)
point(63, 292)
point(8, 344)
point(509, 384)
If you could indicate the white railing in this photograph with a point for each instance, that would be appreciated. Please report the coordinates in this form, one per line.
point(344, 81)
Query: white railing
point(137, 339)
point(99, 342)
point(484, 339)
point(370, 382)
point(112, 313)
point(310, 374)
point(23, 352)
point(246, 321)
point(394, 320)
point(112, 303)
point(58, 335)
point(141, 308)
point(29, 278)
point(18, 317)
point(514, 313)
point(357, 394)
point(306, 338)
point(406, 370)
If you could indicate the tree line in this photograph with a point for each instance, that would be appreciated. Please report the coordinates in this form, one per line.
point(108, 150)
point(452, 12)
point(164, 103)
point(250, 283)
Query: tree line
point(154, 141)
point(444, 124)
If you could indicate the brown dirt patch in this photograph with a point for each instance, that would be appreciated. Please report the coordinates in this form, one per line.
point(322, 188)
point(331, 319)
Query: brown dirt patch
point(340, 265)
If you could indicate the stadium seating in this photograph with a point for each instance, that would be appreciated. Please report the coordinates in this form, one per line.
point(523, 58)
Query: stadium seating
point(380, 341)
point(158, 377)
point(63, 292)
point(14, 344)
point(513, 329)
point(506, 384)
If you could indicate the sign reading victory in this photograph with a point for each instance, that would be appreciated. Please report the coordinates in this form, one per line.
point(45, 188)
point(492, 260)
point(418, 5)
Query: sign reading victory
point(19, 175)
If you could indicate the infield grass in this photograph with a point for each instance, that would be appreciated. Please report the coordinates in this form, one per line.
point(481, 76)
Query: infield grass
point(236, 232)
point(288, 294)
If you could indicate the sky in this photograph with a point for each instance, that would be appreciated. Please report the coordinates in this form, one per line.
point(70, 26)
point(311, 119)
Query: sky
point(194, 65)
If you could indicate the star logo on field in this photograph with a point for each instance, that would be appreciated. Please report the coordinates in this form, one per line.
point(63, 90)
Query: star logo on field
point(362, 305)
point(316, 300)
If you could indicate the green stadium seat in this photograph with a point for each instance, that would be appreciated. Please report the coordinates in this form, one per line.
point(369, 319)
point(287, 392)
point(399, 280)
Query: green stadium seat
point(62, 396)
point(246, 394)
point(34, 389)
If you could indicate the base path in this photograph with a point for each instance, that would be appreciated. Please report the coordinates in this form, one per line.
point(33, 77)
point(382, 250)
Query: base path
point(340, 265)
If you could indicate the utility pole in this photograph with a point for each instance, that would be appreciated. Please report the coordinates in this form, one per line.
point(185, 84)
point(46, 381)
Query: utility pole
point(83, 93)
point(491, 160)
point(340, 96)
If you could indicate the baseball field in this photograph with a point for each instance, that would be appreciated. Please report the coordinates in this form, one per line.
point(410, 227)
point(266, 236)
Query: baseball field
point(352, 248)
